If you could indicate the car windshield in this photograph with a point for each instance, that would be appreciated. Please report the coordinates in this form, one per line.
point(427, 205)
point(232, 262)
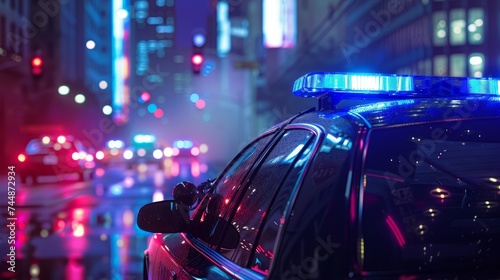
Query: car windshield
point(431, 198)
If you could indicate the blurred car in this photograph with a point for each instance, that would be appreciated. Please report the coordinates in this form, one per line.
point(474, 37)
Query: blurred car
point(112, 152)
point(145, 149)
point(55, 156)
point(403, 185)
point(185, 149)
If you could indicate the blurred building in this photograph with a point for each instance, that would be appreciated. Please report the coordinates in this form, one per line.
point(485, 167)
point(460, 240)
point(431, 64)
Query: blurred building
point(424, 37)
point(168, 96)
point(15, 56)
point(444, 38)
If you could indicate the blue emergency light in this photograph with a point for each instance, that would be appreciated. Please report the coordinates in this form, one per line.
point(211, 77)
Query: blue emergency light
point(319, 84)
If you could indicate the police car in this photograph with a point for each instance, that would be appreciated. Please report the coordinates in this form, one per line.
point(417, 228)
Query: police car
point(403, 186)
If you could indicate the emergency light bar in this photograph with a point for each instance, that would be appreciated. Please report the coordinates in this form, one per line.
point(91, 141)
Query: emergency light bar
point(317, 84)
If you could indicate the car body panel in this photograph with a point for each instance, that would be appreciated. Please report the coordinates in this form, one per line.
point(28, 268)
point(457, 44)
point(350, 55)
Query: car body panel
point(312, 241)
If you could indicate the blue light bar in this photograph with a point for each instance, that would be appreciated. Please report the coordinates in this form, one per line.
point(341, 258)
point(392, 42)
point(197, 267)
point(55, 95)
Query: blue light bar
point(318, 84)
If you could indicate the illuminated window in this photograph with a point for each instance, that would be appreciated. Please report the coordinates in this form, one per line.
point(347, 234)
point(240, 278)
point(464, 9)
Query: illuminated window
point(458, 65)
point(476, 64)
point(440, 65)
point(457, 27)
point(279, 23)
point(475, 26)
point(439, 23)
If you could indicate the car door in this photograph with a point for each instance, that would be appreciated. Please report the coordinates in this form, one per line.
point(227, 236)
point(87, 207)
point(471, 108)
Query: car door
point(252, 203)
point(176, 251)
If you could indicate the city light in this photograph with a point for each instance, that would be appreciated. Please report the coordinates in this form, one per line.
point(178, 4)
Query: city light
point(107, 110)
point(158, 113)
point(197, 59)
point(199, 40)
point(194, 97)
point(63, 90)
point(36, 64)
point(103, 84)
point(152, 108)
point(79, 98)
point(200, 104)
point(145, 97)
point(90, 44)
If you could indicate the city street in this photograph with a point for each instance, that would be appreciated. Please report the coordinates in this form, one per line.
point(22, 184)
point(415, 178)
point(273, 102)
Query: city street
point(84, 230)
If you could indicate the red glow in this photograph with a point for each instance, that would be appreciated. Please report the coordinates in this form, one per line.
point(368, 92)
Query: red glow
point(36, 61)
point(158, 113)
point(395, 230)
point(21, 158)
point(99, 172)
point(175, 169)
point(195, 169)
point(145, 96)
point(200, 104)
point(385, 177)
point(197, 59)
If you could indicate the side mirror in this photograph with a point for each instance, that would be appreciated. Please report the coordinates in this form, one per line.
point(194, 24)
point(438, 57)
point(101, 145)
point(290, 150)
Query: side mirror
point(166, 216)
point(186, 193)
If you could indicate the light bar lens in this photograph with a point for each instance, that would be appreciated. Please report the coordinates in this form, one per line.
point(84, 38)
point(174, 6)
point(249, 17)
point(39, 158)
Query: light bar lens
point(318, 84)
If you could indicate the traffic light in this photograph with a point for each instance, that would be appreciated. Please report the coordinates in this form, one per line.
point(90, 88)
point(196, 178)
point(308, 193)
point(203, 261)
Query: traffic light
point(36, 66)
point(196, 62)
point(197, 57)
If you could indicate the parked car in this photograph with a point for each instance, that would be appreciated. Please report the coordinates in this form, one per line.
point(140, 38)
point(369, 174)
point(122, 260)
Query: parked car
point(145, 149)
point(112, 153)
point(55, 156)
point(404, 185)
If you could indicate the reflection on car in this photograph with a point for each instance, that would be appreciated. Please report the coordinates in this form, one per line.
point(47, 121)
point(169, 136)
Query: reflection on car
point(55, 156)
point(404, 184)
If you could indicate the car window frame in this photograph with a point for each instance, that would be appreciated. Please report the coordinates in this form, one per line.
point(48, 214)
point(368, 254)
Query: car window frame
point(318, 136)
point(272, 189)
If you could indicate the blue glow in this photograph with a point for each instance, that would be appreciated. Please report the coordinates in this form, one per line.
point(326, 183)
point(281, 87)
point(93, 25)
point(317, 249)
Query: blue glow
point(194, 97)
point(116, 189)
point(183, 144)
point(144, 138)
point(152, 108)
point(318, 84)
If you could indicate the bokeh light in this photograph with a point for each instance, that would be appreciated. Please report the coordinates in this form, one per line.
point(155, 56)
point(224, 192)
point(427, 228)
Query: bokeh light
point(194, 97)
point(200, 104)
point(63, 90)
point(145, 96)
point(79, 98)
point(90, 44)
point(158, 113)
point(103, 84)
point(107, 110)
point(152, 108)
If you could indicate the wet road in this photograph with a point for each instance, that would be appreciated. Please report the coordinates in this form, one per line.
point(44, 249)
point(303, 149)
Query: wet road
point(85, 230)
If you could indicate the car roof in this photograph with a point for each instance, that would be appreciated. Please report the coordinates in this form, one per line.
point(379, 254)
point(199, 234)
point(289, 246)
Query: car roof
point(408, 111)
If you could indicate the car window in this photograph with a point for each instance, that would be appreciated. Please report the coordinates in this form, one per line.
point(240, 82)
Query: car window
point(263, 252)
point(262, 189)
point(431, 198)
point(232, 178)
